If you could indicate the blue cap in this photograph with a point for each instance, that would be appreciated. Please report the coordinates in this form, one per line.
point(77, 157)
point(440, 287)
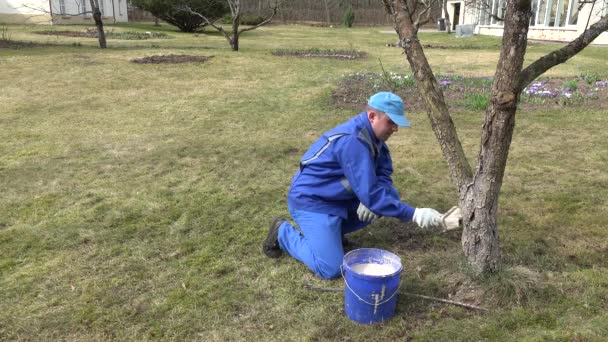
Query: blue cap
point(390, 104)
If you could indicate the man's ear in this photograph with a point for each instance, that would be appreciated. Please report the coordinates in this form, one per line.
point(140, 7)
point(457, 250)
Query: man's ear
point(372, 114)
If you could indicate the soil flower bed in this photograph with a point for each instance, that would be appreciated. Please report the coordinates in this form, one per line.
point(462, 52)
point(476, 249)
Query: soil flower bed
point(92, 33)
point(321, 53)
point(472, 93)
point(171, 59)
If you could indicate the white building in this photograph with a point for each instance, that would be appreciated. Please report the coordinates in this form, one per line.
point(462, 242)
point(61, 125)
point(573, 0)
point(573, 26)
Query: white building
point(60, 11)
point(555, 20)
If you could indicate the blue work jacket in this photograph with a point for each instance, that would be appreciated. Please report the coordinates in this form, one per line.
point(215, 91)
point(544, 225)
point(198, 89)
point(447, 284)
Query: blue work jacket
point(345, 166)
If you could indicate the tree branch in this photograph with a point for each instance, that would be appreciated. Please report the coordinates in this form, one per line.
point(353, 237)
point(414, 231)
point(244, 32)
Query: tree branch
point(424, 16)
point(435, 299)
point(266, 21)
point(212, 24)
point(540, 66)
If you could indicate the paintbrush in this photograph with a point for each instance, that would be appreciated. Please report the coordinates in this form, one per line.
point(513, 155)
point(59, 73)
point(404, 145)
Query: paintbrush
point(452, 219)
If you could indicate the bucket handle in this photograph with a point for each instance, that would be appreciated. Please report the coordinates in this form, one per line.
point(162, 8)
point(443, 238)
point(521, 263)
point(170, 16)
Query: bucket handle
point(361, 299)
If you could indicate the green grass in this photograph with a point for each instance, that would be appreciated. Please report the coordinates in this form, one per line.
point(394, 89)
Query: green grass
point(135, 197)
point(476, 101)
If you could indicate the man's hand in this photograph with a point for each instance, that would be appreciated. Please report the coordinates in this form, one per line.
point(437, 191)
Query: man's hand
point(365, 214)
point(427, 218)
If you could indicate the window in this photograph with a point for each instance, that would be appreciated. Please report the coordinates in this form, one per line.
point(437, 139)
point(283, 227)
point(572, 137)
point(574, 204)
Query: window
point(563, 11)
point(573, 18)
point(484, 12)
point(534, 11)
point(490, 10)
point(542, 11)
point(555, 13)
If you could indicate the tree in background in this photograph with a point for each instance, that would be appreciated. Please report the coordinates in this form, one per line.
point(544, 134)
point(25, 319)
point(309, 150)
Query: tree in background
point(349, 17)
point(448, 24)
point(101, 35)
point(235, 13)
point(478, 191)
point(170, 11)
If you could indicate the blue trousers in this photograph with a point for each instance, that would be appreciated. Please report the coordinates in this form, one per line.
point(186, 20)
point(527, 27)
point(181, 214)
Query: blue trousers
point(319, 246)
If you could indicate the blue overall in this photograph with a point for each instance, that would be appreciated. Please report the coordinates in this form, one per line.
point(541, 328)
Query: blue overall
point(345, 166)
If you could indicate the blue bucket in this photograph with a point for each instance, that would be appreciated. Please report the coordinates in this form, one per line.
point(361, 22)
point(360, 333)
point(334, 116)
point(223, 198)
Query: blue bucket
point(371, 279)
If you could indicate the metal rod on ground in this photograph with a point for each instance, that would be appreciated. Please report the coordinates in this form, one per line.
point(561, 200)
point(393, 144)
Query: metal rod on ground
point(447, 301)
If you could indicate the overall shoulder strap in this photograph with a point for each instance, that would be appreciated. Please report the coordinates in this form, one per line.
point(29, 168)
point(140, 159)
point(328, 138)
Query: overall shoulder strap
point(364, 134)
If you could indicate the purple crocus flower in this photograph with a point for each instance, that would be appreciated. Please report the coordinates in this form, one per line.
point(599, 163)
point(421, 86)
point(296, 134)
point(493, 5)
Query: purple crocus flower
point(602, 83)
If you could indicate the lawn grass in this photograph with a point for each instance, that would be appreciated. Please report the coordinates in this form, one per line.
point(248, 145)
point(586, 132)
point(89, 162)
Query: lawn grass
point(135, 197)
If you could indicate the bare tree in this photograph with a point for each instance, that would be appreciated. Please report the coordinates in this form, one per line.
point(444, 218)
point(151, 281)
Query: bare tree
point(101, 35)
point(479, 190)
point(235, 11)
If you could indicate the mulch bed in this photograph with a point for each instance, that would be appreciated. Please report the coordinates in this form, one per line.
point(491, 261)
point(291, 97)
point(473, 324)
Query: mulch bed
point(314, 53)
point(171, 59)
point(4, 44)
point(80, 34)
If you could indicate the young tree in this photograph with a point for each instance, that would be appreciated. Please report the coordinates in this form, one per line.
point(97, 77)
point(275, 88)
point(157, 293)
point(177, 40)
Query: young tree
point(478, 191)
point(235, 11)
point(101, 35)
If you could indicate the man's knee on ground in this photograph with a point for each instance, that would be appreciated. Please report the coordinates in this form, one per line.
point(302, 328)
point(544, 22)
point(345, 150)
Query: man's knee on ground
point(328, 271)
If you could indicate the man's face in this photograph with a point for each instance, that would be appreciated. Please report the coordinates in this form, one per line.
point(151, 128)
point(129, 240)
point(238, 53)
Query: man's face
point(382, 125)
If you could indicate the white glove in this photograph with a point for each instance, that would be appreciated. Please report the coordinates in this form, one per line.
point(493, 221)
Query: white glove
point(365, 214)
point(427, 218)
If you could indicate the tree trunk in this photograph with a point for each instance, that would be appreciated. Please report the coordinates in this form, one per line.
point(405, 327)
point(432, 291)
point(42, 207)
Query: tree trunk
point(101, 35)
point(448, 26)
point(234, 40)
point(480, 236)
point(478, 194)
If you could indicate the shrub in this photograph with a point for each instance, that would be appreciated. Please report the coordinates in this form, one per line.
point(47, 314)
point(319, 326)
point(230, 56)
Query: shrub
point(349, 17)
point(5, 35)
point(245, 20)
point(572, 85)
point(168, 10)
point(590, 78)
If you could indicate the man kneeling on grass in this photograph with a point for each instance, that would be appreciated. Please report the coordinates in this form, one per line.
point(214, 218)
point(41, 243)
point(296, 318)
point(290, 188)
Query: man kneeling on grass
point(343, 184)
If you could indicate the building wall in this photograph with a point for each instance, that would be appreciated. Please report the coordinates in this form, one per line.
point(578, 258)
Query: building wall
point(24, 12)
point(540, 32)
point(63, 11)
point(70, 11)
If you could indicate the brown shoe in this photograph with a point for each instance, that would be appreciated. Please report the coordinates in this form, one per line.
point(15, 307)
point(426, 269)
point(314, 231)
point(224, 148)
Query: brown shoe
point(270, 247)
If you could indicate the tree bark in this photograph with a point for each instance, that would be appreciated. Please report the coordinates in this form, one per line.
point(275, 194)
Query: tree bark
point(234, 40)
point(480, 236)
point(101, 35)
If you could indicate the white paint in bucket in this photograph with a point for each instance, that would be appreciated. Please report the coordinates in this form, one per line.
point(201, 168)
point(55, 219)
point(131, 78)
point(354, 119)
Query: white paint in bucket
point(374, 269)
